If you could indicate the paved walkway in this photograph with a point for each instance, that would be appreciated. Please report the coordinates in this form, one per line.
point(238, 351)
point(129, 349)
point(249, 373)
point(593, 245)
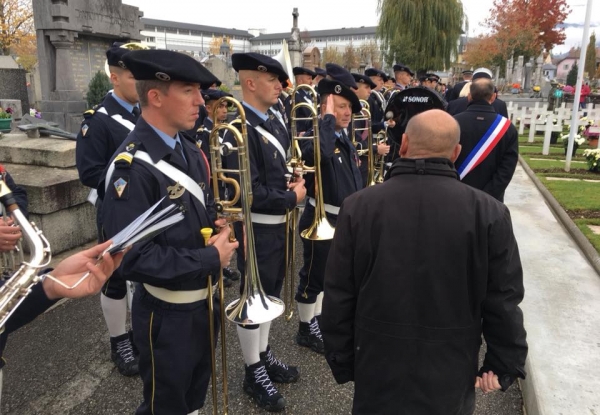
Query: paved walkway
point(561, 307)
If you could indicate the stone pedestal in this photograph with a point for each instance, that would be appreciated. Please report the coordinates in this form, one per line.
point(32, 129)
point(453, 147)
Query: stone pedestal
point(45, 167)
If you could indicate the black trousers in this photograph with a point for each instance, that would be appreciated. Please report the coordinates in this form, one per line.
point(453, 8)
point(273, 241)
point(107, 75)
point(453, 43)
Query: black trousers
point(269, 241)
point(175, 359)
point(315, 254)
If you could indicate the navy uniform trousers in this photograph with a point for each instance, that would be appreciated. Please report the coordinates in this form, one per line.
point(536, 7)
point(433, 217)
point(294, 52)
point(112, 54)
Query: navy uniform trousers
point(172, 350)
point(315, 258)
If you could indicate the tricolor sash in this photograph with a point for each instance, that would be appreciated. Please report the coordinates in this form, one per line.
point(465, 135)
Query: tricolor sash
point(485, 146)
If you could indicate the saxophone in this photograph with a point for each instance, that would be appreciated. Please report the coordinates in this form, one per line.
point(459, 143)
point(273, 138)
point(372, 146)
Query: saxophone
point(19, 285)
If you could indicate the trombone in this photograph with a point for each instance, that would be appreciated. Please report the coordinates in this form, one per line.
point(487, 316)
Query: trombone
point(254, 306)
point(364, 116)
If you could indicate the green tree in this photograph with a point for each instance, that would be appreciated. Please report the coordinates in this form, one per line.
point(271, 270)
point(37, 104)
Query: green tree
point(420, 33)
point(590, 57)
point(572, 75)
point(97, 89)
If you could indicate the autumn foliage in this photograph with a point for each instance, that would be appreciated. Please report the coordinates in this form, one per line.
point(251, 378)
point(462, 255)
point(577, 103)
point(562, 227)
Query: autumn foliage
point(518, 27)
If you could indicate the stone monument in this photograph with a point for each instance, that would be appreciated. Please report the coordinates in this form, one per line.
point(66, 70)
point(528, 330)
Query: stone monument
point(13, 87)
point(294, 41)
point(72, 38)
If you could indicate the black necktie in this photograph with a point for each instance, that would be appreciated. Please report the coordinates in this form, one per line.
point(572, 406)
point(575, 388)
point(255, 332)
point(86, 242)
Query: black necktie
point(179, 153)
point(136, 112)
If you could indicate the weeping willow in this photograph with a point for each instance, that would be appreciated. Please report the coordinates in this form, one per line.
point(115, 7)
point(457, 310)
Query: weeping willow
point(422, 34)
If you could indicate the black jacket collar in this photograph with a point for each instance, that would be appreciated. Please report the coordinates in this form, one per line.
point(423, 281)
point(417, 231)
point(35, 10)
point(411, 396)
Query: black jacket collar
point(429, 166)
point(113, 107)
point(480, 106)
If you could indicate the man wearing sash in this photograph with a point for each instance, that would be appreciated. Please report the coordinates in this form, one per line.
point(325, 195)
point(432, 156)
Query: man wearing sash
point(268, 146)
point(490, 145)
point(158, 162)
point(103, 130)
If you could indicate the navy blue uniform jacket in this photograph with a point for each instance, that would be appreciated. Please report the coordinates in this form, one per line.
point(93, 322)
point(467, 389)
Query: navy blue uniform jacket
point(176, 259)
point(103, 136)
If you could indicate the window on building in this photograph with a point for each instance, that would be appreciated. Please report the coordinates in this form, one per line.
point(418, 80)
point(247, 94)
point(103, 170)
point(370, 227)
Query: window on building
point(566, 66)
point(151, 39)
point(171, 30)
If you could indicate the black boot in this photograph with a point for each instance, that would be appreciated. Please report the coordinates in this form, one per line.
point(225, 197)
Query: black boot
point(309, 335)
point(232, 274)
point(278, 371)
point(258, 385)
point(121, 353)
point(136, 352)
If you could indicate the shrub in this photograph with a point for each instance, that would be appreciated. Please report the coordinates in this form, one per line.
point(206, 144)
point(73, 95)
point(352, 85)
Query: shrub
point(97, 89)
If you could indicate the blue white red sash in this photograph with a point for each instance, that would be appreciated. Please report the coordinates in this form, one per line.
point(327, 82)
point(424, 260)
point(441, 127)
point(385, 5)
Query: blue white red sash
point(485, 146)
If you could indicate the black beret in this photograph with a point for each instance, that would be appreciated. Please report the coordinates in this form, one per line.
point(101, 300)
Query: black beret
point(303, 71)
point(166, 65)
point(251, 61)
point(401, 67)
point(363, 79)
point(408, 103)
point(207, 86)
point(114, 55)
point(320, 71)
point(331, 86)
point(337, 73)
point(214, 94)
point(374, 72)
point(385, 77)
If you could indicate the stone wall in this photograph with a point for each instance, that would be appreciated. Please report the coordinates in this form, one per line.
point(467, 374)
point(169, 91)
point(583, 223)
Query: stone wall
point(88, 56)
point(13, 85)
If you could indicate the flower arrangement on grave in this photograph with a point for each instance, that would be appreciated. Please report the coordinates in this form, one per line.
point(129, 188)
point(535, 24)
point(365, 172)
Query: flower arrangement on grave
point(35, 113)
point(5, 113)
point(592, 156)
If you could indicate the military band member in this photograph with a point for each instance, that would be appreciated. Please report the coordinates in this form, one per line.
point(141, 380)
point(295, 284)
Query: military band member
point(376, 100)
point(268, 144)
point(403, 76)
point(102, 131)
point(365, 86)
point(454, 92)
point(340, 177)
point(211, 96)
point(170, 312)
point(303, 76)
point(320, 74)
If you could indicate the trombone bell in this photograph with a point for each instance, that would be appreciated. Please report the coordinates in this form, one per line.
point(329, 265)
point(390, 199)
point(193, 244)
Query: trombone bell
point(258, 308)
point(319, 230)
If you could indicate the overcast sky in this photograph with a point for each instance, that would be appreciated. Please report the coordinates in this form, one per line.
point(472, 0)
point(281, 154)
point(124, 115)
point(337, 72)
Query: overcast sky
point(276, 15)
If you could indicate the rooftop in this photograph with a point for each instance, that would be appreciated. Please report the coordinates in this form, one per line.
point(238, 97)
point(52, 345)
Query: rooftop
point(198, 27)
point(344, 31)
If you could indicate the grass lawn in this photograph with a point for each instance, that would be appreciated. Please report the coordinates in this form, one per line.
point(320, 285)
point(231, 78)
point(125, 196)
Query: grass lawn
point(582, 224)
point(580, 199)
point(575, 195)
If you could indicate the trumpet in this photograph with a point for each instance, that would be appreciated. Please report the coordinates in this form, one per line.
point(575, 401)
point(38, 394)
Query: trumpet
point(254, 306)
point(19, 285)
point(379, 161)
point(364, 116)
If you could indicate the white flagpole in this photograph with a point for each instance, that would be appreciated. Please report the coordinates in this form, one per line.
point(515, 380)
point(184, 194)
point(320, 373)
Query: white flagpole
point(574, 115)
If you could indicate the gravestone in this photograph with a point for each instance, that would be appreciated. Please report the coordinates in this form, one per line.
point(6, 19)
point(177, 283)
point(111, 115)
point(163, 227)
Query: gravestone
point(72, 38)
point(13, 86)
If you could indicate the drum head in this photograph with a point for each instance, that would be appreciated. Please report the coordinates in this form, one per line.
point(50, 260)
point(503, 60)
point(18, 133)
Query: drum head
point(408, 103)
